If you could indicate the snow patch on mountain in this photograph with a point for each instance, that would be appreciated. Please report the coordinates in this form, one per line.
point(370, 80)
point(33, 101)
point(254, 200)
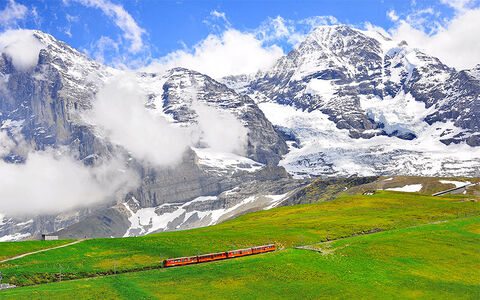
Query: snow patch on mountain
point(14, 237)
point(411, 188)
point(324, 150)
point(401, 113)
point(323, 88)
point(276, 200)
point(176, 216)
point(456, 183)
point(225, 162)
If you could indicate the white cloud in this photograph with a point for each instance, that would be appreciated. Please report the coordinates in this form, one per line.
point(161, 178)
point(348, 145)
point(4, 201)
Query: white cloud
point(47, 183)
point(12, 13)
point(22, 47)
point(231, 53)
point(213, 21)
point(235, 52)
point(456, 43)
point(219, 15)
point(316, 21)
point(292, 32)
point(103, 45)
point(120, 114)
point(131, 31)
point(220, 130)
point(392, 15)
point(5, 143)
point(68, 27)
point(274, 29)
point(459, 5)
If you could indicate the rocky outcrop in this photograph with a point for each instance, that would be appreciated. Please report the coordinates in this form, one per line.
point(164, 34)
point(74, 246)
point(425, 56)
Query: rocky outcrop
point(43, 107)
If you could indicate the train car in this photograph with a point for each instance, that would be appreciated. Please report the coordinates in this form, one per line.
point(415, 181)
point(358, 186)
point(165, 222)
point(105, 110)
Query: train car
point(239, 252)
point(212, 257)
point(263, 249)
point(180, 261)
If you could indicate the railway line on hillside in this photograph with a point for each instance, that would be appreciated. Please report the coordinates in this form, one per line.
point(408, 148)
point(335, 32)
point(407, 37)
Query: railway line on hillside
point(309, 247)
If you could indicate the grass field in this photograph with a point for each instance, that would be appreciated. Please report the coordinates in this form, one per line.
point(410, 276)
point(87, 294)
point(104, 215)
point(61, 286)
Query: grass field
point(437, 261)
point(9, 249)
point(286, 226)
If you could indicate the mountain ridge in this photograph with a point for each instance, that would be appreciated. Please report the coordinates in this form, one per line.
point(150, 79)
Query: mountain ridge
point(344, 102)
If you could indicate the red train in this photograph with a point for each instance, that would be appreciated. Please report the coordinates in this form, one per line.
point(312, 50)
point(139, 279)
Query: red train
point(181, 261)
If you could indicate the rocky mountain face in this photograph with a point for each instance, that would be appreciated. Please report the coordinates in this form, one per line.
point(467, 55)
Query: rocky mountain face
point(357, 102)
point(42, 108)
point(337, 66)
point(344, 102)
point(318, 75)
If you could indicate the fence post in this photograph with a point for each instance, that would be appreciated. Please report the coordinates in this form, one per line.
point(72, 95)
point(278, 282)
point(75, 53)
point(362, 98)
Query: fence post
point(0, 278)
point(328, 235)
point(300, 240)
point(114, 267)
point(60, 268)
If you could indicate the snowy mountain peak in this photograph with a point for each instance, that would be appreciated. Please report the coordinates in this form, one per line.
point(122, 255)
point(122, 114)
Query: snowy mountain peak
point(357, 93)
point(334, 36)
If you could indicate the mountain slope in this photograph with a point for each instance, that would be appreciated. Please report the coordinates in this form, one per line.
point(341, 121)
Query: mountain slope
point(357, 102)
point(48, 106)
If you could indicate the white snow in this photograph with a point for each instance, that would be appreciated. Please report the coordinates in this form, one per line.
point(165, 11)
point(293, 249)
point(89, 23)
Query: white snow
point(456, 183)
point(14, 237)
point(25, 223)
point(388, 179)
point(225, 162)
point(401, 113)
point(232, 191)
point(145, 220)
point(276, 199)
point(323, 88)
point(412, 188)
point(1, 219)
point(326, 150)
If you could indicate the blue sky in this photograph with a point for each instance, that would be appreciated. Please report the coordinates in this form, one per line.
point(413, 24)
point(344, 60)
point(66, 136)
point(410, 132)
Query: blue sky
point(136, 33)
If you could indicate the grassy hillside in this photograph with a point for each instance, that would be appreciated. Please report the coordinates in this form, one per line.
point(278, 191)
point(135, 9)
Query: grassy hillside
point(328, 189)
point(438, 261)
point(286, 226)
point(9, 249)
point(430, 185)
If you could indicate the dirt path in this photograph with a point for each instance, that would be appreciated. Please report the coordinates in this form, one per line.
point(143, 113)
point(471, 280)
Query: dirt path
point(43, 250)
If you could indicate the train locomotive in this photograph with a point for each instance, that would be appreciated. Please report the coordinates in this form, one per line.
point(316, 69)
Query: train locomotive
point(182, 261)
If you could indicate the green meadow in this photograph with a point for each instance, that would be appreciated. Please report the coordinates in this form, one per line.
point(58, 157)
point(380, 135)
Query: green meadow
point(435, 261)
point(10, 249)
point(349, 215)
